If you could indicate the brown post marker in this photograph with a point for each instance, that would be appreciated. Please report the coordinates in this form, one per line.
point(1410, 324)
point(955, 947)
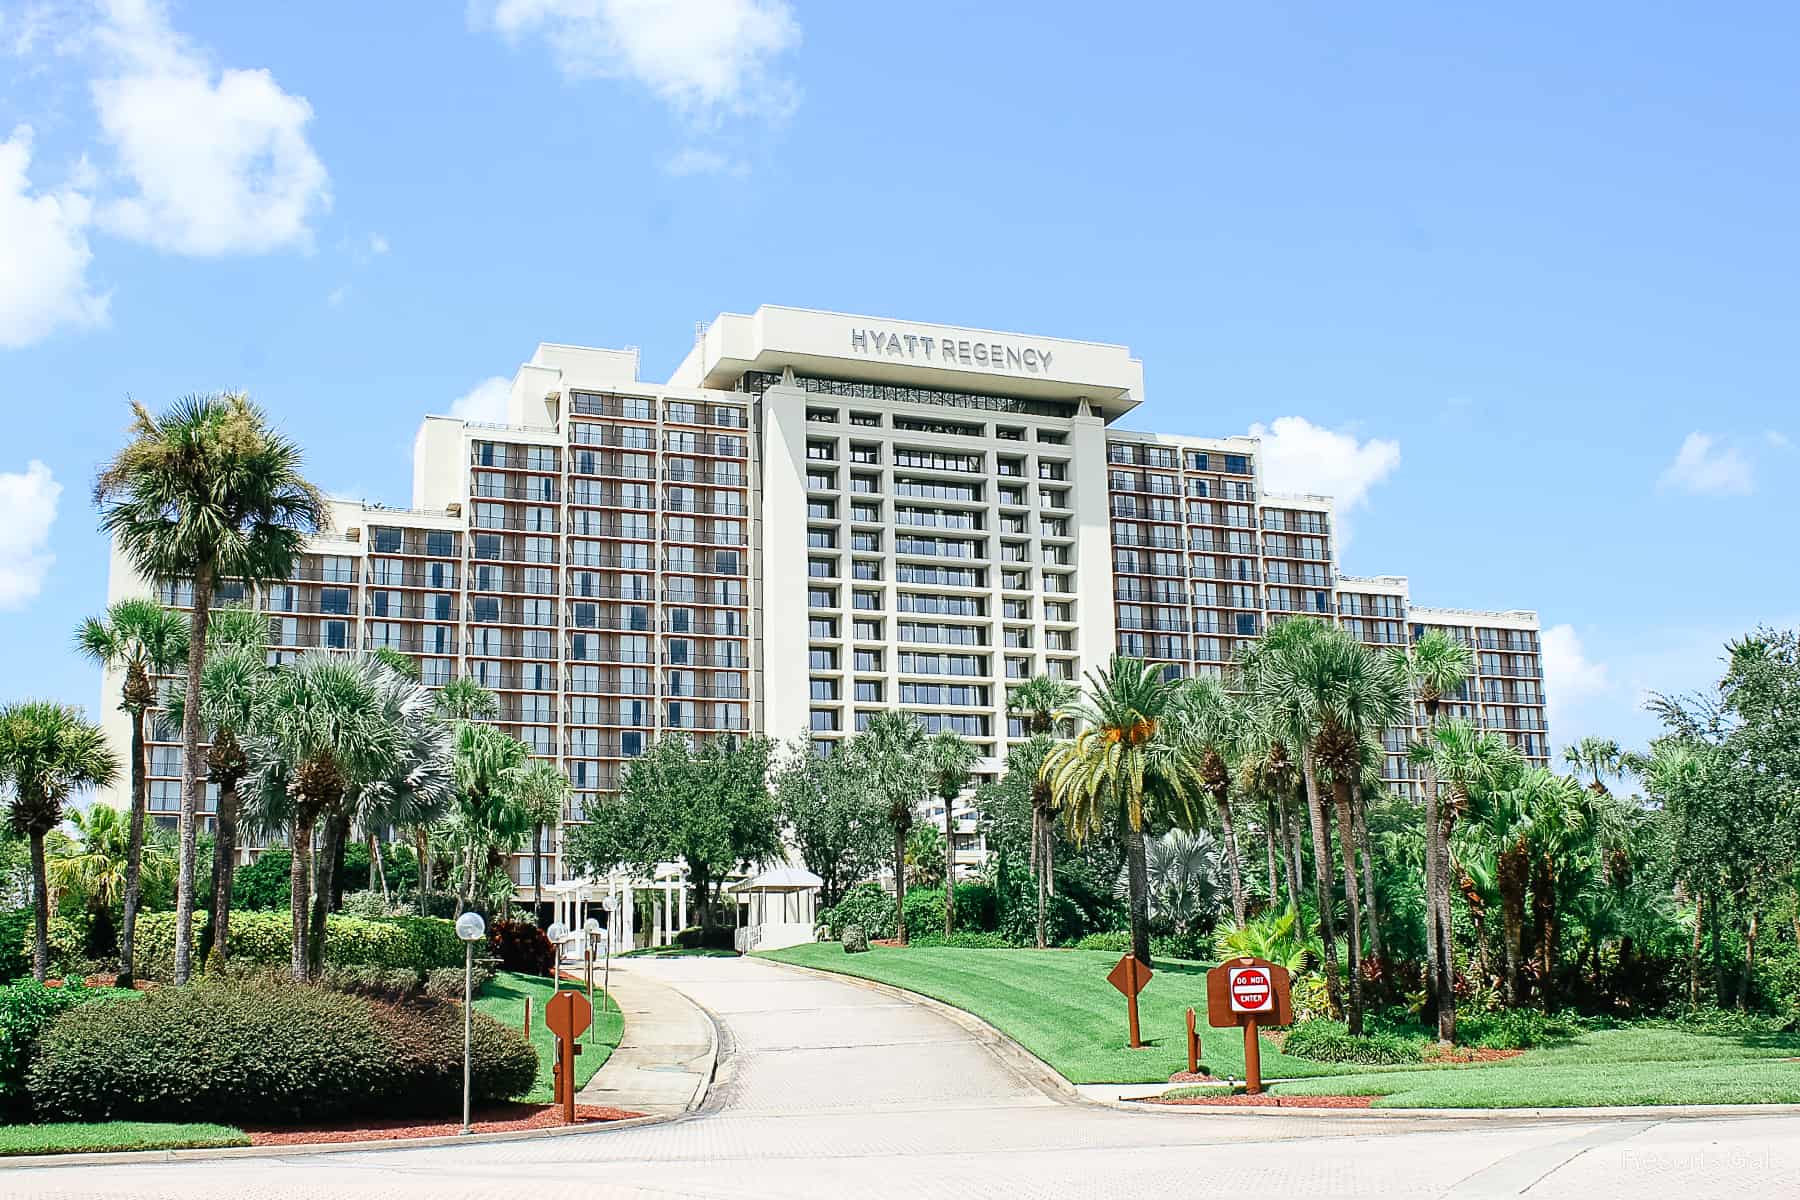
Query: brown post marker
point(566, 1015)
point(1193, 1045)
point(1130, 976)
point(528, 1018)
point(1252, 1059)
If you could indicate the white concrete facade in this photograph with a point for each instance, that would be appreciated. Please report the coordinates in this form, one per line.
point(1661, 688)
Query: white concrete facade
point(821, 516)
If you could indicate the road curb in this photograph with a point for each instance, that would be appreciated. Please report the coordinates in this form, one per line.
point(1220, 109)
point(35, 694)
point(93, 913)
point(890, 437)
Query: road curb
point(1052, 1082)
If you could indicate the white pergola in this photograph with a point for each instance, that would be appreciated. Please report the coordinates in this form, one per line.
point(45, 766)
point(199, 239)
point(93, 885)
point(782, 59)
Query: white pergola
point(570, 898)
point(783, 908)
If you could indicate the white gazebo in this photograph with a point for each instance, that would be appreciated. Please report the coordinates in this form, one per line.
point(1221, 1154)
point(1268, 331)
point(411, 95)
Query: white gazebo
point(575, 900)
point(781, 903)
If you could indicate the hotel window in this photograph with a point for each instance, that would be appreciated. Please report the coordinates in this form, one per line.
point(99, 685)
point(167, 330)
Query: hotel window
point(865, 512)
point(866, 542)
point(821, 597)
point(821, 510)
point(868, 691)
point(870, 419)
point(866, 601)
point(821, 568)
point(822, 627)
point(1053, 470)
point(821, 539)
point(824, 416)
point(822, 481)
point(860, 453)
point(824, 689)
point(821, 451)
point(864, 484)
point(822, 660)
point(1053, 498)
point(1058, 611)
point(435, 672)
point(824, 720)
point(865, 569)
point(867, 660)
point(866, 631)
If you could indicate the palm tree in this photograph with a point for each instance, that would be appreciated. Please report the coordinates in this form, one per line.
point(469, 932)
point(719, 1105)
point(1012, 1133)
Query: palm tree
point(205, 492)
point(544, 791)
point(323, 735)
point(47, 752)
point(421, 783)
point(1269, 672)
point(1438, 665)
point(1495, 845)
point(95, 866)
point(890, 754)
point(1346, 693)
point(948, 760)
point(1217, 721)
point(1182, 867)
point(1124, 760)
point(463, 699)
point(1675, 775)
point(1456, 754)
point(1040, 700)
point(232, 684)
point(1600, 757)
point(143, 639)
point(1264, 769)
point(489, 766)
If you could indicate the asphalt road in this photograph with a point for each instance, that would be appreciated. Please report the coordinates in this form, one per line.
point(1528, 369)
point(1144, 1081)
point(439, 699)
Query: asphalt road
point(832, 1090)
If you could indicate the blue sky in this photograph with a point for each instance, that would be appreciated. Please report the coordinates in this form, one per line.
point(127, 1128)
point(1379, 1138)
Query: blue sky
point(1518, 285)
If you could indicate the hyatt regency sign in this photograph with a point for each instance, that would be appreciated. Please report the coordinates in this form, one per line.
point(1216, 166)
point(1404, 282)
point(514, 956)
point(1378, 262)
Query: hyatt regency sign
point(949, 352)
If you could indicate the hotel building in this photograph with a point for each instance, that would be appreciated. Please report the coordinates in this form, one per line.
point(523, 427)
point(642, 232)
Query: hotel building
point(816, 518)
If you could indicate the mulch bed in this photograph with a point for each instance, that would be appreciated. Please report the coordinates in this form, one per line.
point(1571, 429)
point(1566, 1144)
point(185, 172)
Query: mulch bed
point(499, 1119)
point(1194, 1077)
point(1265, 1100)
point(1468, 1054)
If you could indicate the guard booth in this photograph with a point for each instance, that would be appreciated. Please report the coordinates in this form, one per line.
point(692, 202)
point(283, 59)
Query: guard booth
point(775, 909)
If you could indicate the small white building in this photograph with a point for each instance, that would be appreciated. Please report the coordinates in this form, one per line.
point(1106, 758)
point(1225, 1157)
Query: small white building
point(777, 908)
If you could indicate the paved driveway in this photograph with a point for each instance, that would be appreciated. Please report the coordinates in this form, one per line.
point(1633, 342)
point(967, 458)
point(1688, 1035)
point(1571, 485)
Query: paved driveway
point(833, 1090)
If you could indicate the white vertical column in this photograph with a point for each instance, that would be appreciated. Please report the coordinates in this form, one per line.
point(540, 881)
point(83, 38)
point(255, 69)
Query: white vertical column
point(780, 566)
point(1098, 634)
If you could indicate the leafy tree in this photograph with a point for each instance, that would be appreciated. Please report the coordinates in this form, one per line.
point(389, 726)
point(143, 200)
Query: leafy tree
point(836, 822)
point(1182, 867)
point(707, 806)
point(489, 818)
point(47, 752)
point(1599, 757)
point(542, 792)
point(463, 699)
point(93, 868)
point(1127, 759)
point(889, 755)
point(140, 638)
point(1217, 723)
point(949, 758)
point(924, 857)
point(206, 492)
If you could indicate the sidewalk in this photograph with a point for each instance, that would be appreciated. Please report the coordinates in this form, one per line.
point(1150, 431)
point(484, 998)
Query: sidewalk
point(665, 1060)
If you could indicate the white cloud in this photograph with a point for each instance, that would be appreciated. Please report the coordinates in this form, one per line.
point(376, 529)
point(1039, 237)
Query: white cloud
point(337, 295)
point(29, 501)
point(1298, 456)
point(704, 58)
point(377, 244)
point(486, 401)
point(44, 253)
point(218, 159)
point(1571, 679)
point(695, 161)
point(1778, 440)
point(1707, 466)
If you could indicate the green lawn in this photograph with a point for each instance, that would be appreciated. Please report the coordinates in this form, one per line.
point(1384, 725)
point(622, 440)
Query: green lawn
point(114, 1135)
point(1058, 1005)
point(1637, 1065)
point(504, 1000)
point(679, 952)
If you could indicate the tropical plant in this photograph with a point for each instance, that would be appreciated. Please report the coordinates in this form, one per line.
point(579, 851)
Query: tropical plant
point(141, 639)
point(324, 734)
point(420, 783)
point(490, 766)
point(1216, 722)
point(206, 492)
point(924, 864)
point(542, 791)
point(464, 699)
point(1438, 666)
point(1124, 760)
point(93, 867)
point(1274, 937)
point(48, 752)
point(890, 757)
point(1182, 870)
point(1040, 700)
point(1599, 757)
point(949, 758)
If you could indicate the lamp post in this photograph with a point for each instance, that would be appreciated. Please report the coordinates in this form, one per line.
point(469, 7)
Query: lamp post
point(471, 929)
point(606, 993)
point(590, 930)
point(556, 933)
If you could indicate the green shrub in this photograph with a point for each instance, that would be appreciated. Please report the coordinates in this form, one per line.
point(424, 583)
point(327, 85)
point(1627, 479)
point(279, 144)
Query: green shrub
point(1724, 1022)
point(26, 1008)
point(15, 944)
point(1196, 946)
point(446, 983)
point(258, 1053)
point(709, 937)
point(975, 909)
point(1324, 1040)
point(263, 883)
point(1113, 941)
point(68, 946)
point(374, 906)
point(1513, 1029)
point(864, 904)
point(417, 943)
point(521, 946)
point(962, 940)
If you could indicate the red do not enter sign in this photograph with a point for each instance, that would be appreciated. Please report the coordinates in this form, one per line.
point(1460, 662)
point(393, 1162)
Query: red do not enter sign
point(1252, 991)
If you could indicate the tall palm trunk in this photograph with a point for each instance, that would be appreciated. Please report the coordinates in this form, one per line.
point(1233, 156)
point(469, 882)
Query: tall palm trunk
point(1269, 835)
point(1543, 916)
point(1694, 951)
point(900, 884)
point(40, 908)
point(422, 847)
point(193, 783)
point(1321, 842)
point(537, 871)
point(1223, 800)
point(1514, 867)
point(1296, 875)
point(1371, 913)
point(299, 875)
point(949, 868)
point(1138, 873)
point(224, 867)
point(325, 864)
point(1446, 948)
point(1346, 830)
point(1743, 999)
point(1040, 867)
point(136, 681)
point(376, 861)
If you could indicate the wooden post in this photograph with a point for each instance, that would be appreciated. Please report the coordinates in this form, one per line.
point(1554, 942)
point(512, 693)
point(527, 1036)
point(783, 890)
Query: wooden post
point(569, 1051)
point(1136, 1042)
point(528, 1018)
point(1252, 1058)
point(1193, 1045)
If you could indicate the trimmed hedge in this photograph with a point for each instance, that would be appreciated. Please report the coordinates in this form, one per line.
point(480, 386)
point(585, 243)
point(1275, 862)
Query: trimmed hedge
point(26, 1009)
point(15, 944)
point(1324, 1040)
point(522, 947)
point(708, 937)
point(864, 904)
point(420, 944)
point(262, 1053)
